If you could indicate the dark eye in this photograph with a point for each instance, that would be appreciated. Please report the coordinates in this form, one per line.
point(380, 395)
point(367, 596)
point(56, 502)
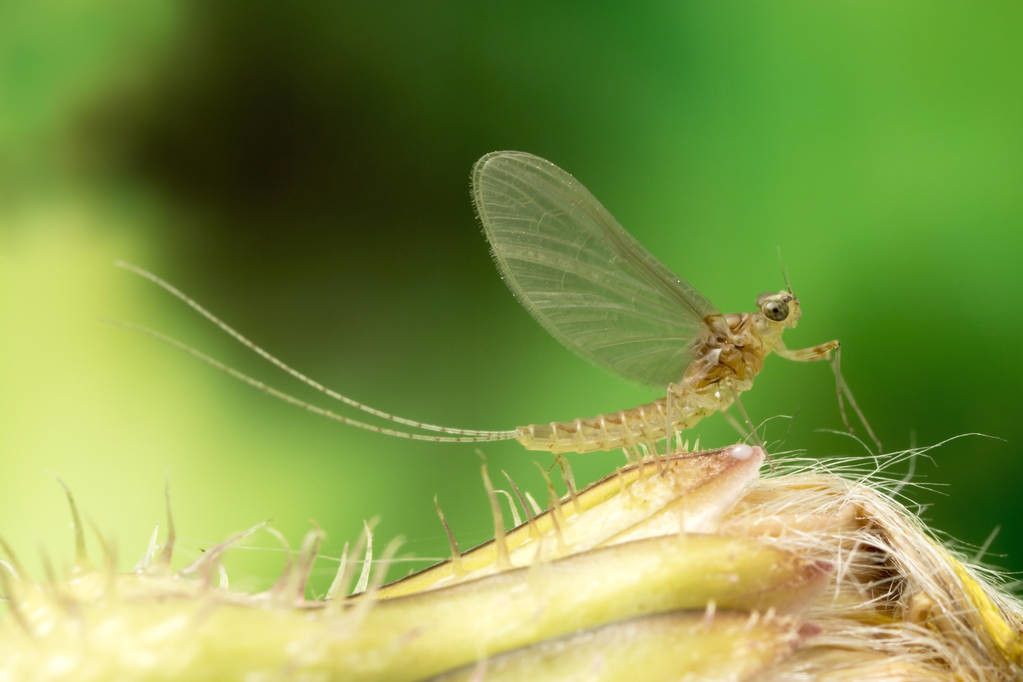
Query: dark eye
point(776, 310)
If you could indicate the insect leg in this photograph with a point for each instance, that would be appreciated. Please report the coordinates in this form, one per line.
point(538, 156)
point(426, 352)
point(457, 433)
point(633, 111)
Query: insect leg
point(661, 408)
point(813, 353)
point(836, 368)
point(668, 449)
point(674, 404)
point(842, 388)
point(752, 429)
point(743, 433)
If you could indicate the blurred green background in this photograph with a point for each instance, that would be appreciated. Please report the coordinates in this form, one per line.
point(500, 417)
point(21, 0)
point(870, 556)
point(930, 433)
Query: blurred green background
point(302, 169)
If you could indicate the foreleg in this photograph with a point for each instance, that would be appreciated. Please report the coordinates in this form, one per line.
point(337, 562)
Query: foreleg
point(749, 423)
point(842, 388)
point(812, 354)
point(842, 391)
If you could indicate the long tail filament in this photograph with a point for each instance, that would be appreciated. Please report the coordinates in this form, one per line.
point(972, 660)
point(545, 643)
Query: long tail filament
point(457, 435)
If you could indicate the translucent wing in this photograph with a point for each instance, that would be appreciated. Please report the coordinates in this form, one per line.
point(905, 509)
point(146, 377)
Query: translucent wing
point(581, 275)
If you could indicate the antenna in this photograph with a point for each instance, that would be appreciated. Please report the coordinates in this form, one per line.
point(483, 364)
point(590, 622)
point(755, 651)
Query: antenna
point(784, 272)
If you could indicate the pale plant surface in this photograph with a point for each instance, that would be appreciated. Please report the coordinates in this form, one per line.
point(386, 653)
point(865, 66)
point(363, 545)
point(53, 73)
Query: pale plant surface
point(686, 567)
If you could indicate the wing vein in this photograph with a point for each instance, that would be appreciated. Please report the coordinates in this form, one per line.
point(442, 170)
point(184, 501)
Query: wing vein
point(581, 275)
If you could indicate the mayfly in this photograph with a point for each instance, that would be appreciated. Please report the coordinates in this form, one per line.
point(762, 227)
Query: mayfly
point(601, 294)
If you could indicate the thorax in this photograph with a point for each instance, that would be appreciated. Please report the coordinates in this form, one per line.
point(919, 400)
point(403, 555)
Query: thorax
point(731, 354)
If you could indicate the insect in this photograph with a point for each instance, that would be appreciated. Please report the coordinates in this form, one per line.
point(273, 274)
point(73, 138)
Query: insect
point(600, 293)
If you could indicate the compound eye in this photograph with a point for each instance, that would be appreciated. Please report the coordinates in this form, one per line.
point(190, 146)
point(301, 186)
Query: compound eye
point(776, 310)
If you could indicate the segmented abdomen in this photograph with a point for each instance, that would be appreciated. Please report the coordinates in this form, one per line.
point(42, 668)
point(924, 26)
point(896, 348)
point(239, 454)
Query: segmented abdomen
point(626, 428)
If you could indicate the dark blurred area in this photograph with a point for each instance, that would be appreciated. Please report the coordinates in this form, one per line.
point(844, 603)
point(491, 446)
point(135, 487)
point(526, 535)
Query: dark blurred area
point(302, 169)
